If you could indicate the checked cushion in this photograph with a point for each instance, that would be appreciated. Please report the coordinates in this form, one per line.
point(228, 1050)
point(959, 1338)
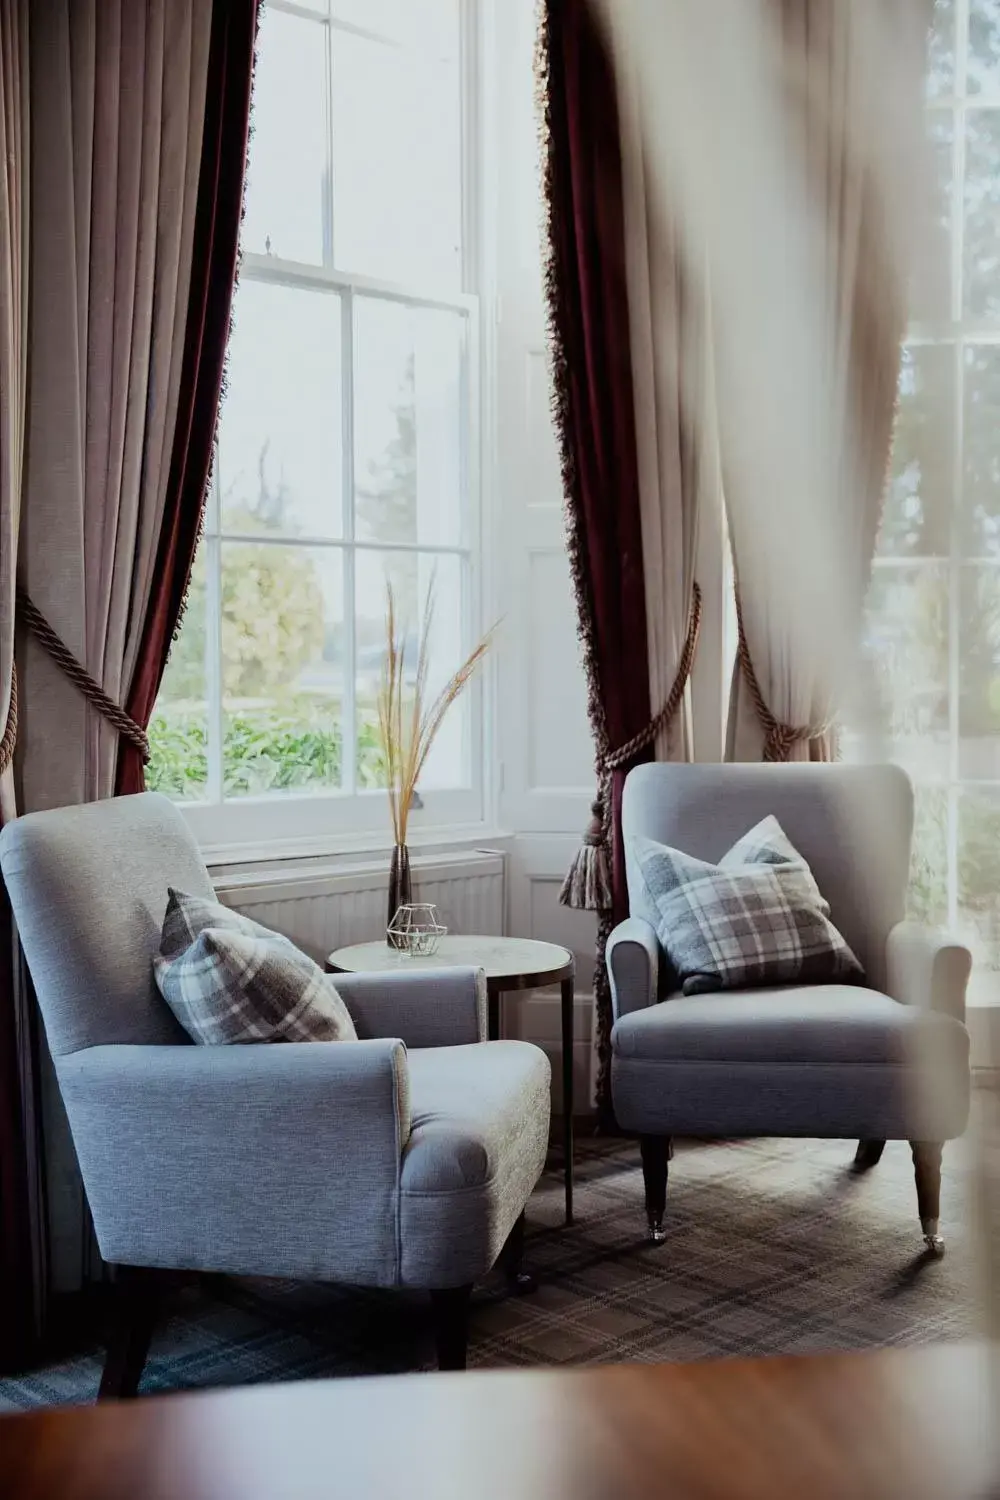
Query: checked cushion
point(228, 979)
point(755, 918)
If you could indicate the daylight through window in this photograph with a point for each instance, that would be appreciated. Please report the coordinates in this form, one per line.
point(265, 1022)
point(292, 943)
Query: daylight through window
point(346, 452)
point(935, 604)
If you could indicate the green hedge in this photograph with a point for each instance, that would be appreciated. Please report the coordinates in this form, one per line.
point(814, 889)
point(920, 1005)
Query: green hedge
point(267, 749)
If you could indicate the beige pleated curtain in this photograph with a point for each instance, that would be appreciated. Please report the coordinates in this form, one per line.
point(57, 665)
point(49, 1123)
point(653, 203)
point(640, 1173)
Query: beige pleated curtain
point(13, 347)
point(116, 154)
point(16, 1246)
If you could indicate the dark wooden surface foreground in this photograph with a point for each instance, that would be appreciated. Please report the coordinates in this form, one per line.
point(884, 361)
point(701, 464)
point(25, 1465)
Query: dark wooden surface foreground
point(909, 1423)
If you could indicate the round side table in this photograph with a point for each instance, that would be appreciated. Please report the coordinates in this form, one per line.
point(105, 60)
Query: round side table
point(510, 964)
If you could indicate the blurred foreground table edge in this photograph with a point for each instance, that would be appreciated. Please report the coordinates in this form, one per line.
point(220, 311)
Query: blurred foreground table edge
point(907, 1422)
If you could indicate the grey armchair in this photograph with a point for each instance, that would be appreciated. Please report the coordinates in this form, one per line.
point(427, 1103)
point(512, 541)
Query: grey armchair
point(402, 1160)
point(886, 1062)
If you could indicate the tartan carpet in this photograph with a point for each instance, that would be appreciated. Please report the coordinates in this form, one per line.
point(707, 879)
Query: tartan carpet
point(773, 1247)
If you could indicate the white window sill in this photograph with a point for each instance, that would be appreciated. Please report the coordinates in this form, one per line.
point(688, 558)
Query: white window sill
point(325, 853)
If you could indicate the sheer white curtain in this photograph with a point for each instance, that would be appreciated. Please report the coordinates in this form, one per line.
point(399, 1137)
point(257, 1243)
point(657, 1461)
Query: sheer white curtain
point(847, 81)
point(667, 334)
point(788, 144)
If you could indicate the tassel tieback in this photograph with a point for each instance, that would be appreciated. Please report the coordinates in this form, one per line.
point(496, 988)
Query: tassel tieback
point(587, 886)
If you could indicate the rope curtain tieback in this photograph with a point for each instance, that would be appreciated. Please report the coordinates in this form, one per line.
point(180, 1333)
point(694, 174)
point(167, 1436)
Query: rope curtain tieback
point(615, 760)
point(10, 730)
point(778, 737)
point(80, 677)
point(587, 886)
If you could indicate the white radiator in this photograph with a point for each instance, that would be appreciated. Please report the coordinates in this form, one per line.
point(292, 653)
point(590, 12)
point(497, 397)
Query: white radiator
point(326, 909)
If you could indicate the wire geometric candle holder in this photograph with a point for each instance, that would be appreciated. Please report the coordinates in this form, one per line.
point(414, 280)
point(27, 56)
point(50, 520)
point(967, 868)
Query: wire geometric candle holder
point(415, 930)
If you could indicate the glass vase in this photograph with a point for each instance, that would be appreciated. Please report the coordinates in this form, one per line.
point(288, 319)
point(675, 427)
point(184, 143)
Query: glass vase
point(400, 888)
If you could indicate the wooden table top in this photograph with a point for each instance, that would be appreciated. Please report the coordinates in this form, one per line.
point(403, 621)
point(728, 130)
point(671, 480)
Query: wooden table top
point(910, 1423)
point(510, 963)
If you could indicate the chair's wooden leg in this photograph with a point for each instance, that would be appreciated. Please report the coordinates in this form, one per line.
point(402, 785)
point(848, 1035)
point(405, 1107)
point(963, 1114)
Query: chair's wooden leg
point(450, 1311)
point(137, 1295)
point(868, 1154)
point(512, 1258)
point(927, 1171)
point(656, 1153)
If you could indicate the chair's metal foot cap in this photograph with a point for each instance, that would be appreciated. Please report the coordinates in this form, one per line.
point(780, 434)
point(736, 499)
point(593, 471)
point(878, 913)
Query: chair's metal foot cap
point(657, 1233)
point(522, 1283)
point(932, 1239)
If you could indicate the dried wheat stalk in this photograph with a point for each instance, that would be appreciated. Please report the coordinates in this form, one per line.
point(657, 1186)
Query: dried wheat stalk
point(408, 730)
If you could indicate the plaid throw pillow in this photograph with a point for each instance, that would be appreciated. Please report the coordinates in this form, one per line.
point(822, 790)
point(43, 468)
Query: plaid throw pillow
point(755, 918)
point(228, 979)
point(768, 844)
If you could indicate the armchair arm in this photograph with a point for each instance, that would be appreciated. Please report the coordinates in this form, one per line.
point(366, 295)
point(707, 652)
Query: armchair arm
point(279, 1159)
point(633, 958)
point(926, 967)
point(425, 1007)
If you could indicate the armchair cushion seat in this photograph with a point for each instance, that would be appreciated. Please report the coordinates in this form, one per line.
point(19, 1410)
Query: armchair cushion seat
point(813, 1060)
point(795, 1023)
point(478, 1139)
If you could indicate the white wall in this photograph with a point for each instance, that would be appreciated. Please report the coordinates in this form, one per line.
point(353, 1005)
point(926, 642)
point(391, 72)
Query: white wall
point(544, 746)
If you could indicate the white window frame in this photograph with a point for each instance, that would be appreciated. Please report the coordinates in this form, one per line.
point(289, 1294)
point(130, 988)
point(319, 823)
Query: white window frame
point(957, 333)
point(286, 824)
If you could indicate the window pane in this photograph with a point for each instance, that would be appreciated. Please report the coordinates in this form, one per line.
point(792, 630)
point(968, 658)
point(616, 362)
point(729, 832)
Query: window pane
point(411, 575)
point(931, 299)
point(287, 168)
point(979, 873)
point(928, 893)
point(280, 465)
point(408, 421)
point(941, 51)
point(983, 65)
point(982, 212)
point(178, 731)
point(397, 188)
point(979, 673)
point(282, 667)
point(908, 640)
point(917, 512)
point(981, 484)
point(429, 24)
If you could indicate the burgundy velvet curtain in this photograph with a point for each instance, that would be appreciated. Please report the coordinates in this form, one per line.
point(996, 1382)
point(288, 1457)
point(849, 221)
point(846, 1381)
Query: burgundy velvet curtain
point(213, 276)
point(595, 413)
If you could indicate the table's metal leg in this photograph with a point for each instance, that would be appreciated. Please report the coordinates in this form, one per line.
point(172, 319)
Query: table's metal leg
point(567, 989)
point(493, 1016)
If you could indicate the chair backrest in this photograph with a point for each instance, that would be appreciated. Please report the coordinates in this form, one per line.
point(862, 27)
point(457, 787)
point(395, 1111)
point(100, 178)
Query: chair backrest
point(853, 824)
point(88, 886)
